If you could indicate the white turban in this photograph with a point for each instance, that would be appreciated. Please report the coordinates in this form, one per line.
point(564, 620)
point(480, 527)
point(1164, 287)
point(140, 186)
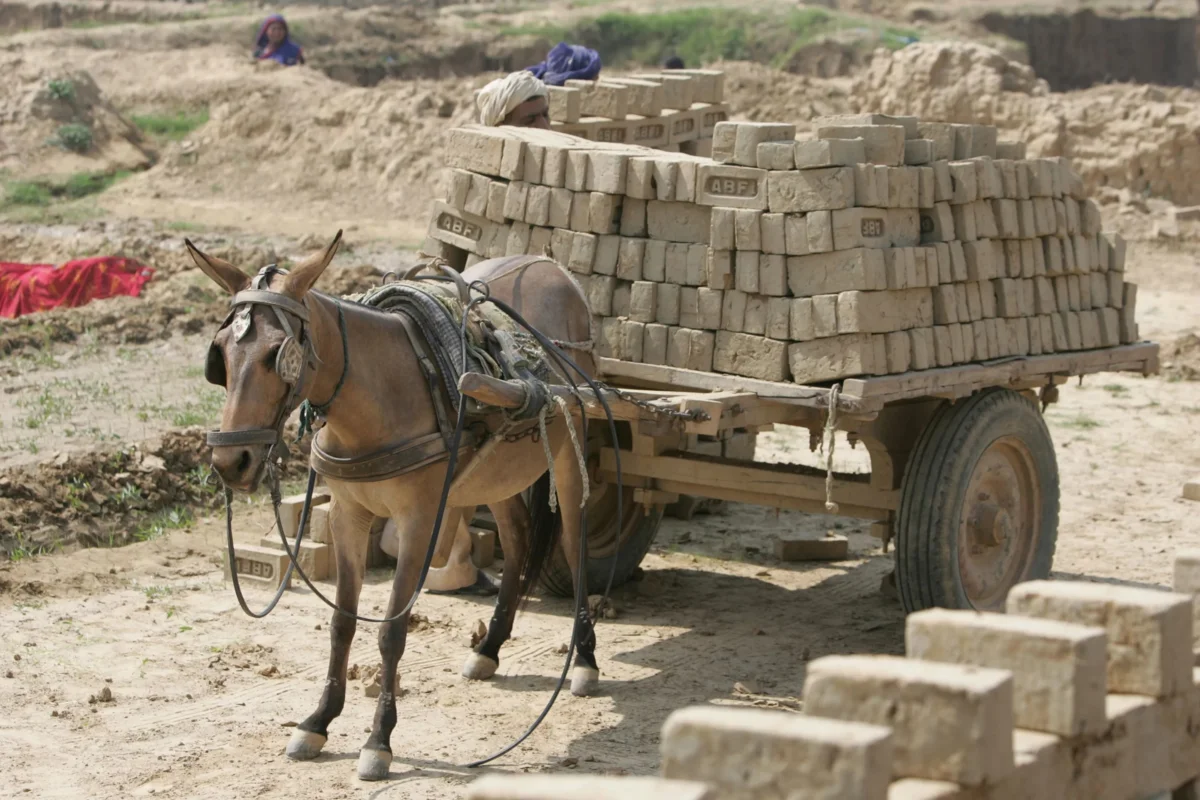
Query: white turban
point(497, 100)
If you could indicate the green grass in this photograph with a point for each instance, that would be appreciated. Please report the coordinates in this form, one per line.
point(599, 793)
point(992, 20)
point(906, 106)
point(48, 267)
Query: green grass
point(1082, 422)
point(172, 126)
point(161, 523)
point(26, 193)
point(704, 35)
point(44, 192)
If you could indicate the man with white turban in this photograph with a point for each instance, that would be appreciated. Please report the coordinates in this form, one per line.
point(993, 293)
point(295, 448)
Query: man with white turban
point(518, 99)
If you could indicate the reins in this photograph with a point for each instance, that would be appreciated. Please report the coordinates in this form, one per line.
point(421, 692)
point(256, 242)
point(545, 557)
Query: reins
point(310, 413)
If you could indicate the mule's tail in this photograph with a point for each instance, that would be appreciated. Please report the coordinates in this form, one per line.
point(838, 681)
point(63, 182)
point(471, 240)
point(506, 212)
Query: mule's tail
point(545, 527)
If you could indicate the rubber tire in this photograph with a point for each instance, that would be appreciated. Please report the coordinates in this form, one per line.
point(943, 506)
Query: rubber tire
point(934, 487)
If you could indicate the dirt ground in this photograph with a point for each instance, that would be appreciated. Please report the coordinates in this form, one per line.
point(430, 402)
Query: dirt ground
point(131, 672)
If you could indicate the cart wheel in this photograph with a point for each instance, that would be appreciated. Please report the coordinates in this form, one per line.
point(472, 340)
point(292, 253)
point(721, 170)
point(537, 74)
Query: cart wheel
point(978, 504)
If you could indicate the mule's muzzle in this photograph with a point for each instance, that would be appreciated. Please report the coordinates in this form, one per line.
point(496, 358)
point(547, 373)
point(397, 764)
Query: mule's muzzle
point(240, 467)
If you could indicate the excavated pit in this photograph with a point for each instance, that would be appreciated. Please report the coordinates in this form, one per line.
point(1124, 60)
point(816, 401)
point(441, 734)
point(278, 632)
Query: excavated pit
point(1075, 51)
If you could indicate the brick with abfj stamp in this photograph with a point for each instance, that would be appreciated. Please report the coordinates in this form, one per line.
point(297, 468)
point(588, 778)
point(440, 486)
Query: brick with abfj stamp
point(884, 144)
point(469, 232)
point(266, 566)
point(1149, 631)
point(972, 740)
point(810, 190)
point(732, 186)
point(315, 558)
point(830, 358)
point(746, 753)
point(860, 227)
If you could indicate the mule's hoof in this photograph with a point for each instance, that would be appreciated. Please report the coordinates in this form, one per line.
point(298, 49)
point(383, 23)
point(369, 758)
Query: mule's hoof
point(479, 667)
point(373, 765)
point(584, 680)
point(304, 745)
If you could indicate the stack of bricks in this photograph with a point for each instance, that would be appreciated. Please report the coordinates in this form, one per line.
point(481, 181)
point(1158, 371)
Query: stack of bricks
point(883, 245)
point(675, 111)
point(1081, 690)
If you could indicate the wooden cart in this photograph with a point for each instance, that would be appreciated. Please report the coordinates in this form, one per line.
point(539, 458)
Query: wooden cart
point(963, 475)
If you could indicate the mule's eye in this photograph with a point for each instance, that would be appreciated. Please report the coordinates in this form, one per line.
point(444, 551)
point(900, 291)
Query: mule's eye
point(271, 356)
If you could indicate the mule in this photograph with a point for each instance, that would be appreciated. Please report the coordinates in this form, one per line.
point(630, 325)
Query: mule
point(383, 403)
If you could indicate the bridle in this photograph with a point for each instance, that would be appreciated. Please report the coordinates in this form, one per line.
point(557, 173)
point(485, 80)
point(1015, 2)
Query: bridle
point(296, 359)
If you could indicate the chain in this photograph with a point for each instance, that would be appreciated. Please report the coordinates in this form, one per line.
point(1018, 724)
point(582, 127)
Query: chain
point(694, 415)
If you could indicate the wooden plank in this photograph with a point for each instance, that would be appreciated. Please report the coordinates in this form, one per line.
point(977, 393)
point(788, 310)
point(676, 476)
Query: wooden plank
point(778, 485)
point(658, 375)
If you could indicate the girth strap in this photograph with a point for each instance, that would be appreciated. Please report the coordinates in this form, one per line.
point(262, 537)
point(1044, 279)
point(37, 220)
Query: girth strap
point(410, 456)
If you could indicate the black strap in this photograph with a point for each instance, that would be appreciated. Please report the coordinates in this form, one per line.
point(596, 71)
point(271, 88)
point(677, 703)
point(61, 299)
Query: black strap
point(247, 437)
point(259, 296)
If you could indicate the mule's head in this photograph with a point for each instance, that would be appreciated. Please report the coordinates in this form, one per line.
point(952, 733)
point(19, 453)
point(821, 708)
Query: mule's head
point(261, 356)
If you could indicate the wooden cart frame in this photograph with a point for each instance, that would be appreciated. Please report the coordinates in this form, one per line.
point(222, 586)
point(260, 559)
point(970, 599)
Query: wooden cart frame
point(962, 470)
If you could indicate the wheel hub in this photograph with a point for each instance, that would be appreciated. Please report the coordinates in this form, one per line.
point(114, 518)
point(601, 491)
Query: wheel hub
point(990, 525)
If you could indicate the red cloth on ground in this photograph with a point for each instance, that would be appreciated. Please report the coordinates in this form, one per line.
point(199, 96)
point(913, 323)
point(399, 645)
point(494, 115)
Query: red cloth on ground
point(26, 288)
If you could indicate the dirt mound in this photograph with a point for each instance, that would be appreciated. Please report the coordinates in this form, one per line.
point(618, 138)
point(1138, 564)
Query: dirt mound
point(762, 94)
point(1140, 138)
point(1181, 358)
point(59, 123)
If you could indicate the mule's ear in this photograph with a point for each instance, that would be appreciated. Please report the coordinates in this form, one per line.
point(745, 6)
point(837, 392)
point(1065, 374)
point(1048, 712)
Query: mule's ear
point(224, 274)
point(300, 279)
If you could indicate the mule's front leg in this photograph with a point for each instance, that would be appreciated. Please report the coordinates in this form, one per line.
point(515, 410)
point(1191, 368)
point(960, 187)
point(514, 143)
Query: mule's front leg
point(349, 527)
point(375, 758)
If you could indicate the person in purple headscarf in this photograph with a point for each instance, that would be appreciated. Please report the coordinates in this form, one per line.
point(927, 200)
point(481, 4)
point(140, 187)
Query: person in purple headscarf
point(274, 43)
point(567, 62)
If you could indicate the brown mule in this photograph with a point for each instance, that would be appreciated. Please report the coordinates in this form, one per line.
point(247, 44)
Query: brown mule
point(383, 404)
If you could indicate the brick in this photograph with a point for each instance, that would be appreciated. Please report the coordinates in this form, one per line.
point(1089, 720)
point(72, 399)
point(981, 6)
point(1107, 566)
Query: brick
point(476, 199)
point(895, 266)
point(748, 753)
point(316, 559)
point(903, 187)
point(866, 187)
point(1010, 150)
point(860, 227)
point(678, 222)
point(1129, 329)
point(707, 311)
point(747, 227)
point(733, 311)
point(1059, 329)
point(943, 182)
point(810, 190)
point(1004, 213)
point(964, 182)
point(292, 506)
point(829, 273)
point(942, 349)
point(265, 566)
point(772, 275)
point(904, 227)
point(590, 787)
point(600, 294)
point(776, 155)
point(687, 187)
point(918, 151)
point(642, 301)
point(800, 546)
point(802, 324)
point(820, 231)
point(1149, 632)
point(1023, 180)
point(607, 172)
point(883, 312)
point(719, 269)
point(639, 179)
point(675, 270)
point(476, 149)
point(945, 305)
point(980, 259)
point(756, 315)
point(460, 185)
point(750, 356)
point(722, 228)
point(824, 314)
point(899, 352)
point(1085, 291)
point(971, 742)
point(937, 224)
point(724, 138)
point(566, 104)
point(945, 267)
point(666, 303)
point(774, 238)
point(561, 201)
point(884, 144)
point(1089, 325)
point(941, 137)
point(644, 98)
point(987, 179)
point(604, 213)
point(745, 271)
point(608, 342)
point(466, 231)
point(581, 212)
point(921, 341)
point(1008, 178)
point(1006, 292)
point(749, 135)
point(819, 153)
point(539, 241)
point(518, 239)
point(958, 351)
point(779, 318)
point(1109, 322)
point(964, 222)
point(987, 299)
point(697, 259)
point(633, 337)
point(1057, 667)
point(831, 358)
point(732, 186)
point(537, 206)
point(689, 349)
point(1116, 251)
point(575, 176)
point(795, 234)
point(620, 303)
point(1073, 297)
point(926, 187)
point(630, 255)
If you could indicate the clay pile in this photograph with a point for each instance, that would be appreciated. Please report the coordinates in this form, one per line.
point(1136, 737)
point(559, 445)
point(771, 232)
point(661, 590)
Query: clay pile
point(882, 245)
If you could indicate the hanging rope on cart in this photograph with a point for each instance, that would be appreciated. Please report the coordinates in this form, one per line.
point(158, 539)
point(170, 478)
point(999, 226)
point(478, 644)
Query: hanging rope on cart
point(828, 435)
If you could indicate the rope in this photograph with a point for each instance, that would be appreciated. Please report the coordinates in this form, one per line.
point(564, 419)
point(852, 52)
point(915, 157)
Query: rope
point(580, 459)
point(830, 434)
point(549, 458)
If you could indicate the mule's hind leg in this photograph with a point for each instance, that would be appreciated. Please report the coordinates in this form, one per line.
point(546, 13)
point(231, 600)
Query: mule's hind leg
point(375, 757)
point(586, 674)
point(349, 524)
point(512, 522)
